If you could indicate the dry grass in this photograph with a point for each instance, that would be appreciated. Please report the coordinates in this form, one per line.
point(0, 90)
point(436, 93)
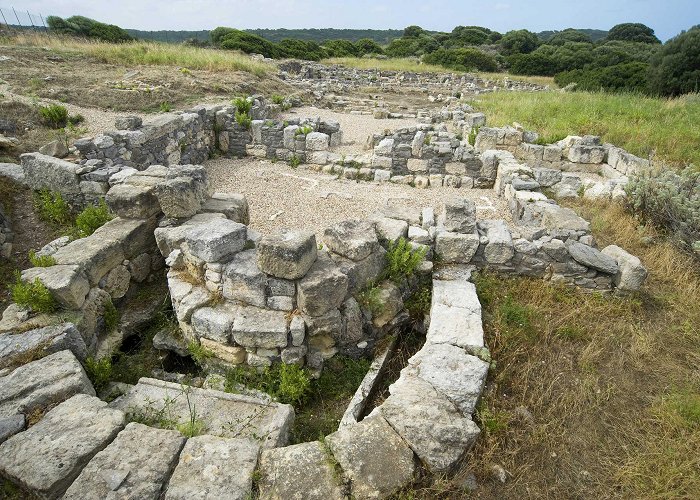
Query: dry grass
point(415, 66)
point(664, 129)
point(147, 53)
point(592, 396)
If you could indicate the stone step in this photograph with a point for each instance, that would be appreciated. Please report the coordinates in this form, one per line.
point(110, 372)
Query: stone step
point(45, 459)
point(157, 402)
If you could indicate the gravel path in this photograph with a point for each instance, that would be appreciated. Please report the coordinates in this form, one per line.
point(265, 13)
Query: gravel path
point(280, 196)
point(356, 128)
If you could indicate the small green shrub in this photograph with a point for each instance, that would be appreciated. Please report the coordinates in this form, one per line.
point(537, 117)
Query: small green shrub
point(369, 298)
point(515, 314)
point(289, 384)
point(34, 296)
point(277, 99)
point(402, 260)
point(99, 371)
point(471, 138)
point(41, 260)
point(549, 139)
point(165, 107)
point(294, 161)
point(304, 130)
point(243, 105)
point(54, 115)
point(294, 384)
point(418, 304)
point(52, 208)
point(671, 202)
point(243, 119)
point(92, 218)
point(74, 120)
point(111, 316)
point(198, 352)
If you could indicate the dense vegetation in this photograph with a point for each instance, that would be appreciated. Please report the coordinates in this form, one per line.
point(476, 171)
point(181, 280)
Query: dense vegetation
point(85, 27)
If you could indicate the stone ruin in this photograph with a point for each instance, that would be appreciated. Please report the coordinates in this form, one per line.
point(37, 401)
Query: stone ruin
point(278, 298)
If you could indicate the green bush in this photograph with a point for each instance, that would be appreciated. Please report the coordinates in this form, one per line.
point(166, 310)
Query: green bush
point(628, 77)
point(92, 218)
point(471, 138)
point(518, 42)
point(277, 99)
point(340, 48)
point(87, 28)
point(633, 32)
point(111, 316)
point(165, 107)
point(289, 384)
point(243, 104)
point(41, 260)
point(34, 296)
point(199, 353)
point(671, 202)
point(294, 384)
point(675, 68)
point(462, 59)
point(52, 208)
point(402, 260)
point(243, 119)
point(99, 371)
point(54, 115)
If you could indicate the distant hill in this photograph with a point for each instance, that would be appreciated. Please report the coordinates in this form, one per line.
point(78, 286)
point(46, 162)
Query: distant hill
point(594, 34)
point(382, 37)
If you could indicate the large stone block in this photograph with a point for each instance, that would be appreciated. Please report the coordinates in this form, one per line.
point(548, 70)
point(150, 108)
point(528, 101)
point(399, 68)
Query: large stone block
point(178, 197)
point(132, 202)
point(631, 274)
point(499, 249)
point(16, 348)
point(456, 248)
point(42, 383)
point(376, 460)
point(94, 255)
point(212, 467)
point(453, 372)
point(256, 327)
point(459, 215)
point(287, 254)
point(244, 281)
point(592, 257)
point(134, 235)
point(455, 314)
point(323, 288)
point(46, 172)
point(217, 240)
point(391, 229)
point(137, 464)
point(431, 424)
point(214, 323)
point(285, 474)
point(353, 239)
point(46, 458)
point(67, 283)
point(233, 206)
point(317, 141)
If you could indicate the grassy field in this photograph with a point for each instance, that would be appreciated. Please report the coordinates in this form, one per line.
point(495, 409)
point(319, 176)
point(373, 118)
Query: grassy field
point(665, 129)
point(591, 396)
point(415, 66)
point(147, 53)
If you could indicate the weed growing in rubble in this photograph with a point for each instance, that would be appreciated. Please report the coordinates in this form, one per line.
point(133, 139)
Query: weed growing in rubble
point(92, 218)
point(471, 138)
point(243, 119)
point(294, 161)
point(165, 107)
point(402, 260)
point(289, 384)
point(277, 99)
point(99, 371)
point(41, 260)
point(33, 295)
point(111, 316)
point(198, 352)
point(52, 208)
point(54, 115)
point(369, 298)
point(243, 104)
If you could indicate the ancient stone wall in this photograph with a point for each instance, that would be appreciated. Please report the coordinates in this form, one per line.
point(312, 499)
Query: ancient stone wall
point(6, 234)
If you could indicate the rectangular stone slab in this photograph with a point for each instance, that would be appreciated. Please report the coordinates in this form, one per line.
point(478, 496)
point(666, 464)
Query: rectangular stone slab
point(136, 465)
point(15, 348)
point(42, 383)
point(214, 467)
point(46, 458)
point(221, 413)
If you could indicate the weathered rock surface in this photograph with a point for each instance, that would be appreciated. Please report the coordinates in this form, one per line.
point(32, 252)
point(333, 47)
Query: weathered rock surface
point(143, 456)
point(376, 460)
point(456, 248)
point(243, 279)
point(212, 467)
point(591, 257)
point(455, 315)
point(430, 423)
point(287, 254)
point(299, 472)
point(18, 347)
point(221, 414)
point(353, 239)
point(631, 273)
point(46, 458)
point(323, 288)
point(216, 241)
point(43, 383)
point(256, 327)
point(459, 215)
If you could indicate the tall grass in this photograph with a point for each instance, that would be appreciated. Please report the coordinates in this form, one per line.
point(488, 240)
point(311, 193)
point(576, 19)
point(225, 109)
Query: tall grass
point(665, 129)
point(415, 66)
point(147, 53)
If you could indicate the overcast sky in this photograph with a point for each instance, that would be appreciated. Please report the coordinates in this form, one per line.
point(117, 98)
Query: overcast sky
point(666, 17)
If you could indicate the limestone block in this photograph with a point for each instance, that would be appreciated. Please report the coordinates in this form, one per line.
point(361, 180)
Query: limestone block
point(214, 322)
point(456, 248)
point(66, 283)
point(499, 249)
point(322, 289)
point(631, 274)
point(244, 281)
point(46, 458)
point(459, 215)
point(233, 206)
point(591, 257)
point(255, 327)
point(217, 240)
point(287, 254)
point(353, 239)
point(391, 229)
point(117, 282)
point(317, 141)
point(94, 255)
point(297, 329)
point(17, 348)
point(137, 464)
point(389, 296)
point(227, 353)
point(132, 202)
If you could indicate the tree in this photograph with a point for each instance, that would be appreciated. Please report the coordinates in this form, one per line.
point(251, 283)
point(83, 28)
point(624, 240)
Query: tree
point(569, 35)
point(217, 34)
point(367, 46)
point(300, 49)
point(675, 68)
point(633, 32)
point(341, 48)
point(462, 59)
point(628, 77)
point(402, 47)
point(413, 31)
point(249, 43)
point(519, 42)
point(88, 28)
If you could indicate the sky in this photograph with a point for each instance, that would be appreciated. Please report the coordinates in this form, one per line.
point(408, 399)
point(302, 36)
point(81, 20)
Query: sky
point(666, 17)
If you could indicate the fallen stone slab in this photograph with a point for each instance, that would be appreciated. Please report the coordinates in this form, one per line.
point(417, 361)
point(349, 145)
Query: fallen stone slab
point(220, 413)
point(391, 229)
point(456, 248)
point(287, 254)
point(13, 172)
point(136, 464)
point(233, 206)
point(375, 459)
point(453, 372)
point(631, 274)
point(213, 467)
point(43, 383)
point(592, 257)
point(132, 202)
point(459, 215)
point(455, 315)
point(94, 255)
point(17, 348)
point(46, 458)
point(431, 424)
point(302, 471)
point(46, 172)
point(499, 249)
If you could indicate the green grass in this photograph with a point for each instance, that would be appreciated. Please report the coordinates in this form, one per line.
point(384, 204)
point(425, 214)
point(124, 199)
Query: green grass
point(92, 218)
point(33, 295)
point(149, 53)
point(288, 383)
point(666, 128)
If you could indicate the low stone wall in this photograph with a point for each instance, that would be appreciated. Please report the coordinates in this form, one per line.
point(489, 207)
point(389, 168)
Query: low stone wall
point(6, 235)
